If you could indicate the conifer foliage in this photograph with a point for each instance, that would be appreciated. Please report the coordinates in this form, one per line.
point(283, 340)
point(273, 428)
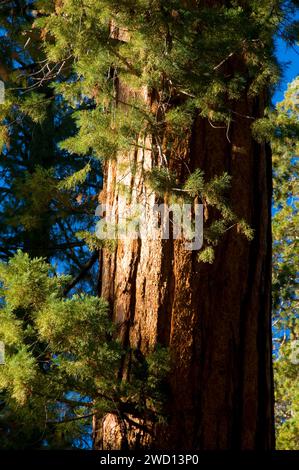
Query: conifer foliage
point(192, 60)
point(62, 361)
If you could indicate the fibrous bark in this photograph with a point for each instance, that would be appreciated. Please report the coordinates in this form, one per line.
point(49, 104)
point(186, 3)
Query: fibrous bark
point(215, 318)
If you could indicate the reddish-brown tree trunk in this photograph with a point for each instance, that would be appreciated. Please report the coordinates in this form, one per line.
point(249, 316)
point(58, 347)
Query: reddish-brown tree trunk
point(216, 319)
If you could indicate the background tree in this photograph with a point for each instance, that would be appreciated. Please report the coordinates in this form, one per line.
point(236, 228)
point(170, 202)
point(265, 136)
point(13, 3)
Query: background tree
point(47, 196)
point(284, 142)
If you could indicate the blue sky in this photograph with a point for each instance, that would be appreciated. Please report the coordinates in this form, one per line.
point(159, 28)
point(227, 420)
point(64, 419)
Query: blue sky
point(289, 56)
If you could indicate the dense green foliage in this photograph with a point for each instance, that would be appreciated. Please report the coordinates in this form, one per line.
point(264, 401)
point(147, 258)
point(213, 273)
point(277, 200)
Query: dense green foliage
point(284, 141)
point(62, 361)
point(189, 60)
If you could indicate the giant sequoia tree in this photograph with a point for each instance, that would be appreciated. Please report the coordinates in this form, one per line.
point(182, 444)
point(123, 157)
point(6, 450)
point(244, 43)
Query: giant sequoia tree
point(214, 317)
point(176, 97)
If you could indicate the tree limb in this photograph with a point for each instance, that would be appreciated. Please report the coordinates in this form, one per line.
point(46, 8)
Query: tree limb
point(83, 273)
